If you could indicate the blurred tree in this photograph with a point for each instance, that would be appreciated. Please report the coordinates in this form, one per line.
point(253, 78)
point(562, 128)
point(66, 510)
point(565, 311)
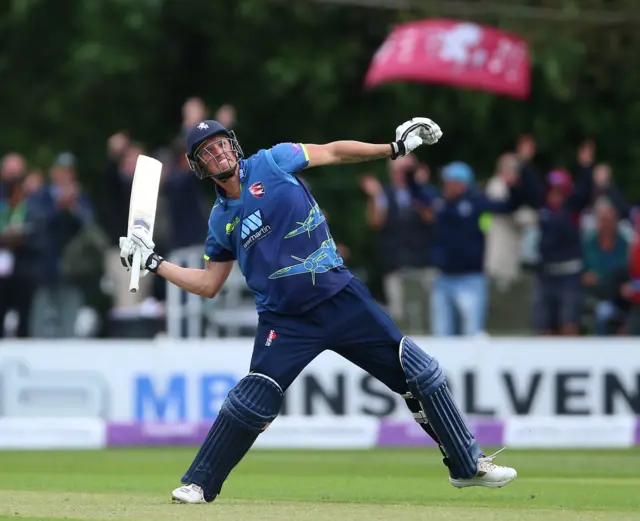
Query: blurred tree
point(75, 71)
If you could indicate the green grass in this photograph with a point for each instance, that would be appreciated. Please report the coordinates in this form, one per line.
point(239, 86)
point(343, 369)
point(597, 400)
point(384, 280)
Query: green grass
point(320, 486)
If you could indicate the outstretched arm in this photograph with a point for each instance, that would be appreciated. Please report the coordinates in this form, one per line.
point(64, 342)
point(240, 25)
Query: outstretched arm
point(409, 136)
point(345, 152)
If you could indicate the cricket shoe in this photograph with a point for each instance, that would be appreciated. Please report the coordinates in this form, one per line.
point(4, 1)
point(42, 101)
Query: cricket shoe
point(489, 475)
point(188, 494)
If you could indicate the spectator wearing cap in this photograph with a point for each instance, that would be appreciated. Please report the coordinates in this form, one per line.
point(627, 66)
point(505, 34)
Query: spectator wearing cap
point(458, 249)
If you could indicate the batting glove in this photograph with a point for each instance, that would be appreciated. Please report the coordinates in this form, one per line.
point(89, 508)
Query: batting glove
point(413, 133)
point(139, 239)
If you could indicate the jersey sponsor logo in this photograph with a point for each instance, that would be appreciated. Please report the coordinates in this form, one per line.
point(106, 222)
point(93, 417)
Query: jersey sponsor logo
point(232, 225)
point(254, 229)
point(257, 190)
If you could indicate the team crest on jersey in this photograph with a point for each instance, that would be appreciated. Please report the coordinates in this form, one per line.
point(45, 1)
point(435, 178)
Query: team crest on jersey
point(270, 338)
point(254, 229)
point(257, 190)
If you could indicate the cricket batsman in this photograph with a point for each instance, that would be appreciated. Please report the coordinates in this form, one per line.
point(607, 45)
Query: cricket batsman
point(265, 219)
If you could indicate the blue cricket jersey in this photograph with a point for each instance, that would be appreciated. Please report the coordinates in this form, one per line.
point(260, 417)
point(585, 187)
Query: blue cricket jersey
point(278, 234)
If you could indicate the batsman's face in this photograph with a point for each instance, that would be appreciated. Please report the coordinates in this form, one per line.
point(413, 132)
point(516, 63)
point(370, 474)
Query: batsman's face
point(217, 156)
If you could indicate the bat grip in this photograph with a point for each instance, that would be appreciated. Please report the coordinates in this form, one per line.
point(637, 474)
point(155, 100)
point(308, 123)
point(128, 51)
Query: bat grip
point(134, 283)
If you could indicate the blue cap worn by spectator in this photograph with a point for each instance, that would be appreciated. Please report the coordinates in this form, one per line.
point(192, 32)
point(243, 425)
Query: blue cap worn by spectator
point(65, 160)
point(458, 171)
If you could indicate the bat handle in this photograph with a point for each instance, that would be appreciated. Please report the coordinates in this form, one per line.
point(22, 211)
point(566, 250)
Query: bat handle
point(134, 283)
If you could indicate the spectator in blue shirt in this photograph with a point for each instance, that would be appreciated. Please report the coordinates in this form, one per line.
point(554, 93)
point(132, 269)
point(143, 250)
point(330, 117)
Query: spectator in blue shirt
point(458, 249)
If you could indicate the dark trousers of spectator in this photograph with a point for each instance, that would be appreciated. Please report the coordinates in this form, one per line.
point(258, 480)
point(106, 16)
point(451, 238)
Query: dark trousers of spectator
point(633, 322)
point(557, 302)
point(16, 293)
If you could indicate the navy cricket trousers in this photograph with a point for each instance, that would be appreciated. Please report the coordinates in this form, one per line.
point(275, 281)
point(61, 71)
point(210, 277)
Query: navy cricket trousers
point(351, 323)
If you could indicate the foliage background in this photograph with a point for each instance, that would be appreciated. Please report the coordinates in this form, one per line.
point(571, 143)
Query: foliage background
point(73, 72)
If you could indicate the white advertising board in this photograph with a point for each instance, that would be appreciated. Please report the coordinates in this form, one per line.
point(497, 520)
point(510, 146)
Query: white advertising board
point(188, 380)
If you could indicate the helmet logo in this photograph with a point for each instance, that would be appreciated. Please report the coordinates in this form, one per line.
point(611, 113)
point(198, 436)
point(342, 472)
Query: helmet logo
point(203, 126)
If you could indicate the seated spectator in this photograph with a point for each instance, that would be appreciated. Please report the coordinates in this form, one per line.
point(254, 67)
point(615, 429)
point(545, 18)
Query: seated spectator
point(605, 252)
point(604, 186)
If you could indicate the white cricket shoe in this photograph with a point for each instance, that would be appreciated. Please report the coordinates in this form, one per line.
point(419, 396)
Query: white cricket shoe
point(489, 475)
point(189, 494)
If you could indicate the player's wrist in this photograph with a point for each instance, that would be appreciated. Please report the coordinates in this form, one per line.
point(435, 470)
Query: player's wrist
point(153, 263)
point(398, 149)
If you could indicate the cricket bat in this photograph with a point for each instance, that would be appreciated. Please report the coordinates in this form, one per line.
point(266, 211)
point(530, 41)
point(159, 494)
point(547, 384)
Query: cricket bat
point(142, 205)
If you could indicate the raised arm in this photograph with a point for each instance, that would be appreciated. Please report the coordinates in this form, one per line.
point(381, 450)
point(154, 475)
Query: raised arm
point(530, 189)
point(409, 136)
point(522, 190)
point(584, 190)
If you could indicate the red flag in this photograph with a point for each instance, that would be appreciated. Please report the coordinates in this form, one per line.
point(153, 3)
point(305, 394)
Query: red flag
point(452, 52)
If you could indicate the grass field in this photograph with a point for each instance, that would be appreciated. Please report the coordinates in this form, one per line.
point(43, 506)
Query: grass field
point(378, 485)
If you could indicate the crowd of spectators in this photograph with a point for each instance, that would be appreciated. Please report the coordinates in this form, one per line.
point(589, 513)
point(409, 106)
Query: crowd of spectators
point(60, 270)
point(573, 235)
point(460, 244)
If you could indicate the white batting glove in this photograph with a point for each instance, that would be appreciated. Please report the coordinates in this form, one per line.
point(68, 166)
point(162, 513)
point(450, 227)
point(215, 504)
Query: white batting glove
point(139, 239)
point(413, 133)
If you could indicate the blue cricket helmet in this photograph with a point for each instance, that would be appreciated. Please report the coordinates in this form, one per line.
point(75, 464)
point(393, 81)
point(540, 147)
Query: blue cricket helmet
point(202, 132)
